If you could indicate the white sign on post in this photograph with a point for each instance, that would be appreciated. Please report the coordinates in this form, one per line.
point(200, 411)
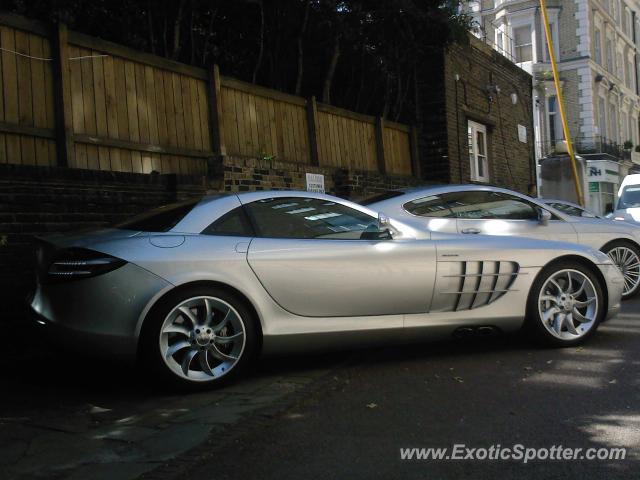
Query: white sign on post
point(315, 182)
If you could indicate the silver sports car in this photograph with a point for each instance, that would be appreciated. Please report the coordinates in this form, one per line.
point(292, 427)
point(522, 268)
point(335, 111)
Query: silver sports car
point(476, 209)
point(196, 290)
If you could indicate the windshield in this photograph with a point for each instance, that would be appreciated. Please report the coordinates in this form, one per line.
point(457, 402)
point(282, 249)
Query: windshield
point(160, 219)
point(630, 197)
point(571, 210)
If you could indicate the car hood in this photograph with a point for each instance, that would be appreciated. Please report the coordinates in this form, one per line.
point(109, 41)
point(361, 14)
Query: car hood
point(631, 215)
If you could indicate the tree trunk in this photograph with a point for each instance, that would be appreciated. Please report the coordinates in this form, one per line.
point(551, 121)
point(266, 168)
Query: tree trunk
point(152, 40)
point(192, 36)
point(387, 94)
point(177, 25)
point(303, 29)
point(205, 47)
point(331, 70)
point(165, 41)
point(261, 50)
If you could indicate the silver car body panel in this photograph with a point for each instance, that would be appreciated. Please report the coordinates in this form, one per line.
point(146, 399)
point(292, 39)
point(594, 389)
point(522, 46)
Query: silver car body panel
point(311, 293)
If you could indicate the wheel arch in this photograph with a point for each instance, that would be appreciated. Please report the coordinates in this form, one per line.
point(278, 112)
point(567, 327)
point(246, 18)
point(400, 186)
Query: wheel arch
point(620, 240)
point(585, 262)
point(200, 283)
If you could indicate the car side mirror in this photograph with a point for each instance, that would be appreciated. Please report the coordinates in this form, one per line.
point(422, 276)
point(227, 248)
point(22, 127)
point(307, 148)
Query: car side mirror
point(385, 227)
point(544, 216)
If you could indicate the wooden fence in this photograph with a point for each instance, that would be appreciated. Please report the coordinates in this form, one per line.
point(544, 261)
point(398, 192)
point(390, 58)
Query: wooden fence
point(74, 100)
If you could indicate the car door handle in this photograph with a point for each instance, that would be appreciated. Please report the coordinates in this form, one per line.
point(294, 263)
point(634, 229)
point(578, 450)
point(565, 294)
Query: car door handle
point(471, 230)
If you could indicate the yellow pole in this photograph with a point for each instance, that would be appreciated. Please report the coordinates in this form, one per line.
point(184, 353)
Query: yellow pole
point(563, 115)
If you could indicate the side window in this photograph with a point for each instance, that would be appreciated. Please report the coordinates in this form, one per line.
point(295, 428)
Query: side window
point(300, 217)
point(492, 205)
point(234, 223)
point(431, 206)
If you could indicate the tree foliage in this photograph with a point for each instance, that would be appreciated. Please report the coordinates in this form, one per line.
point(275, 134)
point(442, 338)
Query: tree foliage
point(365, 55)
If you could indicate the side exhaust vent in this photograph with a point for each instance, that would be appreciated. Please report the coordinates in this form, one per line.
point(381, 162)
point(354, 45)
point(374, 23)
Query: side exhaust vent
point(481, 283)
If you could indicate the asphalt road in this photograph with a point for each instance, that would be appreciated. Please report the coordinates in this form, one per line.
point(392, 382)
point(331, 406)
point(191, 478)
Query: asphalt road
point(483, 393)
point(343, 415)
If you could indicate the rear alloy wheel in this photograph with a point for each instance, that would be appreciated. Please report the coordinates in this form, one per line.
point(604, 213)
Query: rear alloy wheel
point(199, 338)
point(627, 258)
point(565, 305)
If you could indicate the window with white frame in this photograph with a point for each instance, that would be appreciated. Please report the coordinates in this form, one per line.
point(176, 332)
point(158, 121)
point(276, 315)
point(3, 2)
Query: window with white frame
point(597, 46)
point(553, 28)
point(625, 127)
point(619, 67)
point(477, 134)
point(500, 42)
point(613, 123)
point(625, 20)
point(602, 117)
point(553, 121)
point(523, 44)
point(610, 58)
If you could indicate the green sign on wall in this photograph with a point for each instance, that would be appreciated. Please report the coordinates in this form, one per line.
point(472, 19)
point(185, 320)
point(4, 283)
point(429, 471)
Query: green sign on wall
point(594, 187)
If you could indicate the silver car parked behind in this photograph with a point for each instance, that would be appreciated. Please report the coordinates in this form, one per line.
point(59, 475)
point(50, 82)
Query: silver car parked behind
point(477, 209)
point(198, 289)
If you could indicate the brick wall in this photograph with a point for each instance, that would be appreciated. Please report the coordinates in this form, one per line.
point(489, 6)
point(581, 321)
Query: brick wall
point(466, 72)
point(246, 174)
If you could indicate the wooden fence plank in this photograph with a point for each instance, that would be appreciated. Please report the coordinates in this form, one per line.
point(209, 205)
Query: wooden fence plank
point(188, 114)
point(10, 91)
point(39, 99)
point(203, 106)
point(102, 130)
point(169, 105)
point(25, 101)
point(195, 115)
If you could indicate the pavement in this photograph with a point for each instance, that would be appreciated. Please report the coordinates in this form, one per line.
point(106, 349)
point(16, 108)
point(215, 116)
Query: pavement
point(344, 415)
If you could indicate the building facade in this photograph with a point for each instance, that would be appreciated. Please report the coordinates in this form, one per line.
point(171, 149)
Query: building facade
point(596, 45)
point(477, 123)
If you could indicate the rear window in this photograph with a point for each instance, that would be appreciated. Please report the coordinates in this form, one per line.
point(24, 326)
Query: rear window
point(381, 197)
point(161, 219)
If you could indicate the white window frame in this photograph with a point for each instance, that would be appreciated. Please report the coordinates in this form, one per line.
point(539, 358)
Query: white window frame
point(530, 43)
point(554, 123)
point(597, 46)
point(516, 20)
point(602, 117)
point(473, 128)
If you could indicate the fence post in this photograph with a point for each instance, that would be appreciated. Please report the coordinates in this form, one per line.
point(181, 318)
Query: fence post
point(62, 94)
point(215, 117)
point(382, 165)
point(415, 152)
point(312, 122)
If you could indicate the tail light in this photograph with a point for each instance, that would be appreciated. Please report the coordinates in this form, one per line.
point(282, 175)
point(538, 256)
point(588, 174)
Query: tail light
point(76, 263)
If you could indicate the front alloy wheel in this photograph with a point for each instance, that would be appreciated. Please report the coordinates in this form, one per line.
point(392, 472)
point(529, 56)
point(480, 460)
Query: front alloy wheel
point(565, 305)
point(627, 258)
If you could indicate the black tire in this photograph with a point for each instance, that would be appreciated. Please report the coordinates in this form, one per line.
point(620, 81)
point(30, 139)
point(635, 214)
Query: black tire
point(151, 358)
point(631, 246)
point(534, 327)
